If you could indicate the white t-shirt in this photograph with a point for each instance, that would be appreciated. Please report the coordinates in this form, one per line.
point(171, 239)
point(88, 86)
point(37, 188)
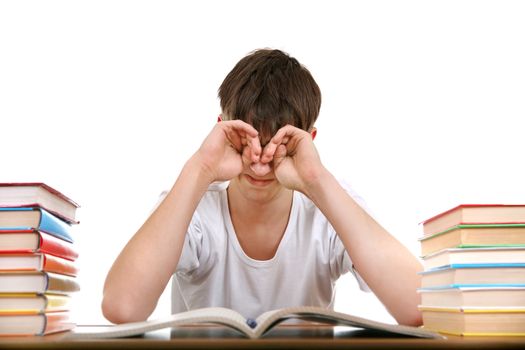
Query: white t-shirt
point(213, 269)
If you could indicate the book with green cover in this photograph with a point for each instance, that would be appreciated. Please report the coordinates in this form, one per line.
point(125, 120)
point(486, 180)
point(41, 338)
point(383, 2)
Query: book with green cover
point(474, 236)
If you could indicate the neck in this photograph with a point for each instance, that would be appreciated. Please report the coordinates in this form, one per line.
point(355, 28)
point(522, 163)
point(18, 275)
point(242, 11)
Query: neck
point(259, 208)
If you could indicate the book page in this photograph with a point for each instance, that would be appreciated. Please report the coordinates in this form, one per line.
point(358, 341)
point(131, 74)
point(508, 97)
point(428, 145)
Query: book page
point(271, 318)
point(216, 315)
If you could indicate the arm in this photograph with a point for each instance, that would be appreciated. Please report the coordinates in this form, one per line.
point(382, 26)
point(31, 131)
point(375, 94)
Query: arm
point(145, 265)
point(385, 264)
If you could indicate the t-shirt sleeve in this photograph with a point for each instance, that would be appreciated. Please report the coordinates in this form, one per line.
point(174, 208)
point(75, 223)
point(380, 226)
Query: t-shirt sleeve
point(193, 242)
point(192, 249)
point(341, 264)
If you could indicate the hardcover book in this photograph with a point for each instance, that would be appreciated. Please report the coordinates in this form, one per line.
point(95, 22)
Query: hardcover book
point(37, 194)
point(34, 241)
point(486, 255)
point(501, 322)
point(34, 218)
point(484, 297)
point(476, 275)
point(475, 214)
point(474, 236)
point(37, 262)
point(34, 324)
point(35, 303)
point(37, 282)
point(253, 328)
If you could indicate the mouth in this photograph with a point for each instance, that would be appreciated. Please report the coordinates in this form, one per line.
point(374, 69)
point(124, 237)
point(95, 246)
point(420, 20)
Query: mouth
point(258, 182)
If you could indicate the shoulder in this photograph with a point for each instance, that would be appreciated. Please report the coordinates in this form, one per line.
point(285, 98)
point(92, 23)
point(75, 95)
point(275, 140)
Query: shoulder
point(307, 204)
point(213, 199)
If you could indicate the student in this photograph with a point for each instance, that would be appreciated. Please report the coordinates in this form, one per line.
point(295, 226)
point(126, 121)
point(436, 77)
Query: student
point(254, 221)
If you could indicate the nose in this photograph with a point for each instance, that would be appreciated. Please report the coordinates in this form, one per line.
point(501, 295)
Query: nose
point(260, 169)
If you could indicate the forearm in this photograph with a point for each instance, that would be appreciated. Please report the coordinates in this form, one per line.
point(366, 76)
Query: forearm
point(144, 267)
point(387, 266)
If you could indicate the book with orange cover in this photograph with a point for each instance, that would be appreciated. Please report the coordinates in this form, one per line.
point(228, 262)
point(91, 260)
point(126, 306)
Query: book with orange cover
point(27, 324)
point(34, 241)
point(475, 214)
point(37, 262)
point(38, 194)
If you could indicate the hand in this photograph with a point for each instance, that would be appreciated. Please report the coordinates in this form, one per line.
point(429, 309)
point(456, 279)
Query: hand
point(296, 162)
point(220, 154)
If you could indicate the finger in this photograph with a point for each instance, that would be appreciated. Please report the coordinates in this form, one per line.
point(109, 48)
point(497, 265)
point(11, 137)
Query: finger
point(255, 146)
point(280, 154)
point(234, 138)
point(240, 127)
point(247, 156)
point(282, 136)
point(240, 133)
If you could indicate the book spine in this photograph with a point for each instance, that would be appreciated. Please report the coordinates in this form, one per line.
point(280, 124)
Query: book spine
point(53, 225)
point(58, 265)
point(62, 284)
point(54, 246)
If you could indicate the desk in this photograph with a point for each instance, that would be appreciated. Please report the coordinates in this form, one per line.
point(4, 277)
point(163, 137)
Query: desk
point(281, 337)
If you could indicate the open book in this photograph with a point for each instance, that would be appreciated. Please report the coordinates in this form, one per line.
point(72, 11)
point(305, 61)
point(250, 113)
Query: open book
point(254, 328)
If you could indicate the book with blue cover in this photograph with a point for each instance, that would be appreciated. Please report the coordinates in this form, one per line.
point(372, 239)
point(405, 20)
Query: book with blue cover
point(479, 275)
point(34, 218)
point(452, 256)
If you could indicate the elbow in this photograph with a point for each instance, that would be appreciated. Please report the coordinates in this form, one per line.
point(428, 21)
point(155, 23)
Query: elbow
point(414, 319)
point(121, 310)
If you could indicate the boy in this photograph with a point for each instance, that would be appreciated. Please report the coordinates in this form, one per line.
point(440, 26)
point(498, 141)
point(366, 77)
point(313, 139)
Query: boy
point(278, 234)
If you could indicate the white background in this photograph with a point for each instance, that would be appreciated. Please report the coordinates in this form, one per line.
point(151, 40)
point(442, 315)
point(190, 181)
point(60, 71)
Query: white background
point(423, 105)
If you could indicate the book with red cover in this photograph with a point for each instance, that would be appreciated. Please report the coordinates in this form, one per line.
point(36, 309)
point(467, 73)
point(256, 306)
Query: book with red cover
point(38, 194)
point(34, 241)
point(37, 262)
point(475, 214)
point(27, 324)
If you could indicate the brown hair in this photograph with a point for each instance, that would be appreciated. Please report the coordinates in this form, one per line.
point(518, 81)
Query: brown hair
point(270, 89)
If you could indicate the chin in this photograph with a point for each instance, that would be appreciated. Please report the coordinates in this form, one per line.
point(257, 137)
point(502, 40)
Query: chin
point(258, 191)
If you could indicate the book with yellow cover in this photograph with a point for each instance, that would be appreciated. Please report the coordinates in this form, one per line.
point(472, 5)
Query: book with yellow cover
point(474, 321)
point(11, 303)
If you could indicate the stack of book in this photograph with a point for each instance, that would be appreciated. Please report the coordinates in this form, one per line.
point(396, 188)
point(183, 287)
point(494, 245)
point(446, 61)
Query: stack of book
point(474, 277)
point(37, 259)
